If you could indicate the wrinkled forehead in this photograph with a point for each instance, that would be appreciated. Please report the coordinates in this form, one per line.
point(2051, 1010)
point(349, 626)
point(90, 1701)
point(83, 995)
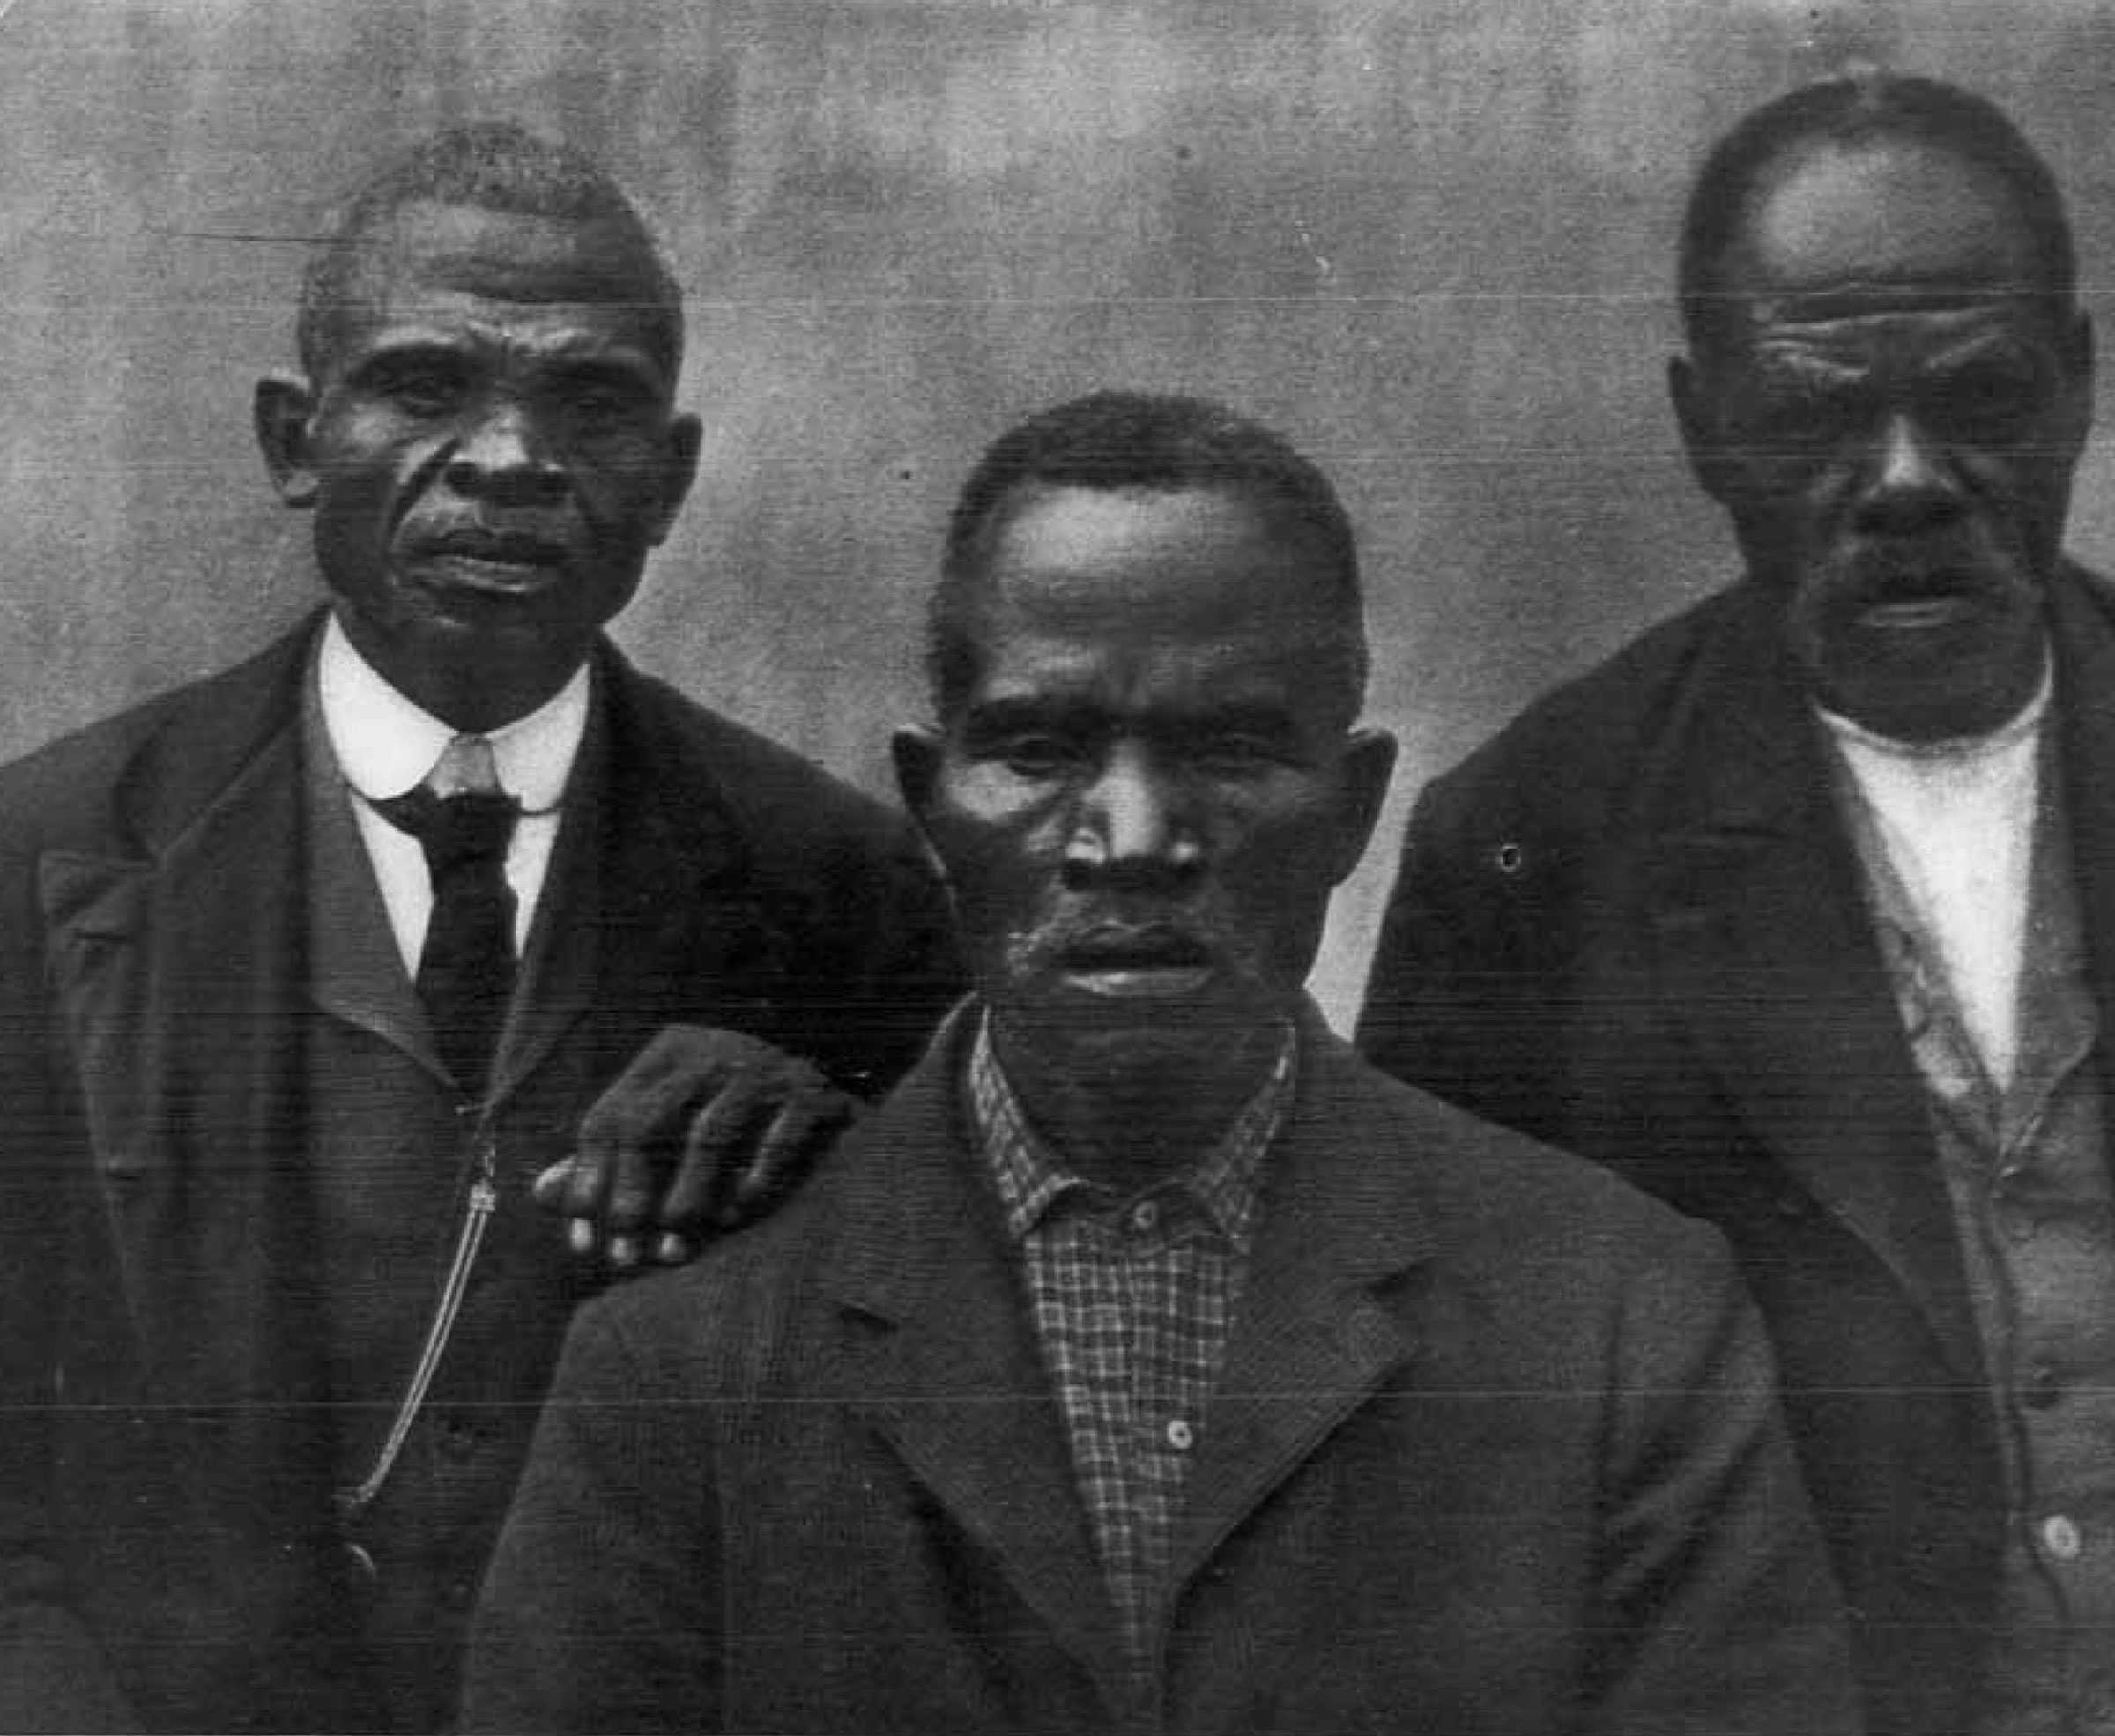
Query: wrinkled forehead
point(1164, 598)
point(1885, 341)
point(598, 271)
point(1137, 668)
point(1882, 226)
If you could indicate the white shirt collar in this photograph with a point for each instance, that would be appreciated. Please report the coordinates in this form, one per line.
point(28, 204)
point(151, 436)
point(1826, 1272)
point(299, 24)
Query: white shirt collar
point(384, 743)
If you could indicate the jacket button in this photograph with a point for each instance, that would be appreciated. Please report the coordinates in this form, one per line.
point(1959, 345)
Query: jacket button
point(1508, 857)
point(2044, 1387)
point(2061, 1537)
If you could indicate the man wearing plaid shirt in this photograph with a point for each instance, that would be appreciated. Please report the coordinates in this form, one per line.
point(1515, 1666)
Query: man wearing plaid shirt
point(1132, 1301)
point(1147, 1362)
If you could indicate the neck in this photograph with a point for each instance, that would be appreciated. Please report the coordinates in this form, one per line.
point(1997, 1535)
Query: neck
point(1986, 733)
point(1129, 1110)
point(473, 694)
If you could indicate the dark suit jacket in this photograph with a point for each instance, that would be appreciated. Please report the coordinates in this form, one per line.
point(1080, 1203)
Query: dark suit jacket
point(167, 1553)
point(1633, 926)
point(1493, 1451)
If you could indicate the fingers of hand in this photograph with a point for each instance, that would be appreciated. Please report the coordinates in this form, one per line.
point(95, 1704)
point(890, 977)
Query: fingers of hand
point(625, 1139)
point(548, 1190)
point(804, 1127)
point(720, 1136)
point(702, 1123)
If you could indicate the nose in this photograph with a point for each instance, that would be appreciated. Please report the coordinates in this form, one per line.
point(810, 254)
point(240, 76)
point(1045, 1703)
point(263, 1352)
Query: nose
point(1131, 831)
point(502, 457)
point(1911, 483)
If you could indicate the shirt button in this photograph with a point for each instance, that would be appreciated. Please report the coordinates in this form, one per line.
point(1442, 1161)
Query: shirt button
point(2044, 1386)
point(1180, 1436)
point(2006, 1199)
point(1144, 1216)
point(2060, 1537)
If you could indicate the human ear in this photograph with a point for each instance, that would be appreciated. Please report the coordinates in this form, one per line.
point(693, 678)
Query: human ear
point(2075, 409)
point(1362, 787)
point(678, 469)
point(281, 411)
point(1699, 419)
point(918, 753)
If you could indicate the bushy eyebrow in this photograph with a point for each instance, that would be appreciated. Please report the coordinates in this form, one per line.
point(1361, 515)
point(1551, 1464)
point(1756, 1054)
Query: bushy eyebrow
point(410, 353)
point(585, 358)
point(1812, 351)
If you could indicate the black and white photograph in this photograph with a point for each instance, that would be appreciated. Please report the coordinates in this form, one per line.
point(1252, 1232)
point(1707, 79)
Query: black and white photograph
point(1053, 867)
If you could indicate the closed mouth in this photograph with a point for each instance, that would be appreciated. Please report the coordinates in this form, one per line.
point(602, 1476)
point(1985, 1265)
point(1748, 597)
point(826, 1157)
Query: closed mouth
point(1917, 611)
point(1144, 963)
point(495, 548)
point(1907, 596)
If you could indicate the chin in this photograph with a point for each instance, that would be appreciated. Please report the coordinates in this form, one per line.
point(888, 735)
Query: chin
point(1127, 1038)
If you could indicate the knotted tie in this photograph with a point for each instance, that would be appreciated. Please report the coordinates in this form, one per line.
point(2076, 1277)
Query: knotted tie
point(463, 821)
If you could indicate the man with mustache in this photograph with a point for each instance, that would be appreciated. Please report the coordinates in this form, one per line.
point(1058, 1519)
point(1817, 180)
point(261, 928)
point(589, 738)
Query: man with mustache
point(1147, 1361)
point(1800, 912)
point(307, 972)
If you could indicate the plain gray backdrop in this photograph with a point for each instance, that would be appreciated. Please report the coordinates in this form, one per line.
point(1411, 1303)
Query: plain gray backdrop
point(1431, 240)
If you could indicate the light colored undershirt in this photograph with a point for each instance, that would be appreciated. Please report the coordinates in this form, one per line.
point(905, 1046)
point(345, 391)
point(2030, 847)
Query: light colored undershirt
point(1957, 820)
point(385, 746)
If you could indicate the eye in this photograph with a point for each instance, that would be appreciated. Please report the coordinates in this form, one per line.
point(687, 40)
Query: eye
point(1794, 414)
point(1991, 402)
point(1237, 754)
point(1038, 756)
point(1237, 745)
point(593, 402)
point(597, 408)
point(597, 405)
point(419, 388)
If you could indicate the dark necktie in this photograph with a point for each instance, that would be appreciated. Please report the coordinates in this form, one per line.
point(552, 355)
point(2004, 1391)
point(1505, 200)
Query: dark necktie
point(466, 967)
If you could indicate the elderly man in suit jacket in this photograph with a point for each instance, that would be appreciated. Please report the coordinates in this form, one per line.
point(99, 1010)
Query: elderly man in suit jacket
point(1147, 1362)
point(1799, 912)
point(306, 972)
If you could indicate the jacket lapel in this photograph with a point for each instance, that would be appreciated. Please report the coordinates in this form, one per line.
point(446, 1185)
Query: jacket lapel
point(2082, 619)
point(355, 972)
point(648, 905)
point(941, 1357)
point(177, 958)
point(1315, 1334)
point(1764, 953)
point(952, 1378)
point(563, 963)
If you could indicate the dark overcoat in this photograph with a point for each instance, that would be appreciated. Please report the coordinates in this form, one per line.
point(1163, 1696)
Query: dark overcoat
point(168, 1555)
point(1633, 925)
point(1493, 1450)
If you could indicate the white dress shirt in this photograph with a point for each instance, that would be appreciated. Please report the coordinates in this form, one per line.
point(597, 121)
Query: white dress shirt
point(385, 746)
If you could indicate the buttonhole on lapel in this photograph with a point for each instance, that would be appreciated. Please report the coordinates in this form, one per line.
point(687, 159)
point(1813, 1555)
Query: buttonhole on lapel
point(1793, 1204)
point(1371, 1333)
point(1509, 857)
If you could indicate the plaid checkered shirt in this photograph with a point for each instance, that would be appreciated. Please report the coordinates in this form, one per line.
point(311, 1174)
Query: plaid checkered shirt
point(1133, 1300)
